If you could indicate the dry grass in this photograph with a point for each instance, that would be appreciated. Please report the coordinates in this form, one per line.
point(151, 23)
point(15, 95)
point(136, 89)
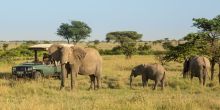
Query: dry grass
point(179, 94)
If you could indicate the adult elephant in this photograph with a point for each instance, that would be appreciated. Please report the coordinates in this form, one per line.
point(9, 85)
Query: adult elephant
point(83, 61)
point(197, 67)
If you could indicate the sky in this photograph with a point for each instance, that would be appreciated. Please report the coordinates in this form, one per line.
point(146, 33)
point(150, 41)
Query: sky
point(155, 19)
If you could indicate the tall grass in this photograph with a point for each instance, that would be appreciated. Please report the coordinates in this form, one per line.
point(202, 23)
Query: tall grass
point(179, 93)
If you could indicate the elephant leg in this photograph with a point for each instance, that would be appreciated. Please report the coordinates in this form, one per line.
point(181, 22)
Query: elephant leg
point(155, 85)
point(219, 78)
point(68, 69)
point(200, 80)
point(146, 82)
point(92, 79)
point(74, 72)
point(98, 79)
point(143, 80)
point(191, 77)
point(63, 76)
point(98, 75)
point(204, 80)
point(162, 84)
point(73, 81)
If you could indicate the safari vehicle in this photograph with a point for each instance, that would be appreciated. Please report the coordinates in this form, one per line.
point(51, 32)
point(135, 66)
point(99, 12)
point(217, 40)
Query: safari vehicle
point(36, 69)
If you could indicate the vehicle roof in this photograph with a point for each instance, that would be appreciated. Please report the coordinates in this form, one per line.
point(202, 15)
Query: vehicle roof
point(28, 64)
point(45, 47)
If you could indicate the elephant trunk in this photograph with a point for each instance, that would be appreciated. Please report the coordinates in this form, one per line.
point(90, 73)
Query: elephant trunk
point(131, 76)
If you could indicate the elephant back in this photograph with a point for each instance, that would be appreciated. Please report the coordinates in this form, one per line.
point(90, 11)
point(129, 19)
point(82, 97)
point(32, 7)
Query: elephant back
point(156, 68)
point(197, 63)
point(203, 61)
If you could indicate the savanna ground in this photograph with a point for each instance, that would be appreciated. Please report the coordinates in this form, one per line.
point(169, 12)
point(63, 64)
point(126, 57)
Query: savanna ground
point(179, 93)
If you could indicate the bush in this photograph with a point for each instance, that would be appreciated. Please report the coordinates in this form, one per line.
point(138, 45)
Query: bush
point(10, 55)
point(96, 42)
point(144, 52)
point(144, 47)
point(117, 50)
point(112, 82)
point(92, 46)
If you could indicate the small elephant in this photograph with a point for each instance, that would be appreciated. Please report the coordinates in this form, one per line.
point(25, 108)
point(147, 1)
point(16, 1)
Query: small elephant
point(154, 72)
point(78, 60)
point(197, 67)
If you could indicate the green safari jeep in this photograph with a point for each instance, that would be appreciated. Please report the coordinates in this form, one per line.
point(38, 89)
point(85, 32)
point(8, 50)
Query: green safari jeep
point(36, 69)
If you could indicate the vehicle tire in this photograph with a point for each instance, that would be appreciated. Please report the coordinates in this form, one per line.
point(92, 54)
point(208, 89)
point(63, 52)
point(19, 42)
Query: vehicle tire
point(37, 75)
point(59, 76)
point(14, 77)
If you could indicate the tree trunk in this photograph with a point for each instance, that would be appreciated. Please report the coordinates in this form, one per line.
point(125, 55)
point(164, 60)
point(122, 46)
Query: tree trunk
point(212, 68)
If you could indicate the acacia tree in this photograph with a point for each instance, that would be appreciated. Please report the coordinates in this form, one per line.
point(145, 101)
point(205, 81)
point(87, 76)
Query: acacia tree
point(126, 39)
point(195, 45)
point(75, 31)
point(65, 31)
point(80, 31)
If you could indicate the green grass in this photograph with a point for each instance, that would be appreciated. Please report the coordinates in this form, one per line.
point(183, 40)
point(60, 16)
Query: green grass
point(179, 93)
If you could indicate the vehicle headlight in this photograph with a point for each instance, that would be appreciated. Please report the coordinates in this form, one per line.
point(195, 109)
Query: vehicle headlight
point(29, 69)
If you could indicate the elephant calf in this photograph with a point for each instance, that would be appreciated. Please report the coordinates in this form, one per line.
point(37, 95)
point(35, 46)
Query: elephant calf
point(154, 72)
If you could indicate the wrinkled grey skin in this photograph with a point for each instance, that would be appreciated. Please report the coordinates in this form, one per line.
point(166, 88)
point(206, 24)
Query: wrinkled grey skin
point(197, 67)
point(154, 72)
point(78, 60)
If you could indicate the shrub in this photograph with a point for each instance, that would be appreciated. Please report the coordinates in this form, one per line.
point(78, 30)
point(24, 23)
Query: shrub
point(96, 42)
point(10, 55)
point(112, 82)
point(144, 47)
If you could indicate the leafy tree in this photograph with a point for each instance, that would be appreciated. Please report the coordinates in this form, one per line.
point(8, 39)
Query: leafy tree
point(75, 31)
point(144, 47)
point(126, 39)
point(181, 52)
point(65, 31)
point(129, 49)
point(167, 45)
point(195, 45)
point(79, 30)
point(123, 36)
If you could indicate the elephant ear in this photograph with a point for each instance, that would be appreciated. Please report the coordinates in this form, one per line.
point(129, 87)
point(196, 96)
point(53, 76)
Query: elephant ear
point(79, 53)
point(186, 65)
point(55, 51)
